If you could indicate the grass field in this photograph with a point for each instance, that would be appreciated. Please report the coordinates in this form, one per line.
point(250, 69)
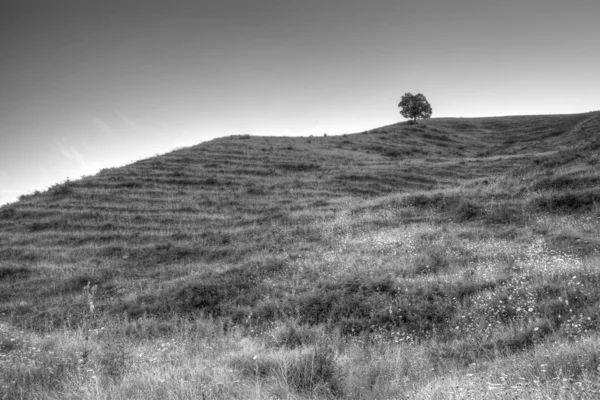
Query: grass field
point(451, 259)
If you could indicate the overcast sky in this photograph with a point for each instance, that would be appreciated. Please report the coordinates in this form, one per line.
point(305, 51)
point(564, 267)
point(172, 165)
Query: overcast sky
point(90, 84)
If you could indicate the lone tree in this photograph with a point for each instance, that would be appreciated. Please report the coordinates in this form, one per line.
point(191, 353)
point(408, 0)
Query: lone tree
point(414, 106)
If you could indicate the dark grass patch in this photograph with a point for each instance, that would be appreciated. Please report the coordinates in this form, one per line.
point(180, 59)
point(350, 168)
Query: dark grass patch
point(128, 185)
point(172, 252)
point(562, 183)
point(367, 304)
point(461, 352)
point(20, 254)
point(433, 261)
point(559, 159)
point(49, 225)
point(354, 305)
point(521, 340)
point(257, 191)
point(467, 210)
point(7, 213)
point(62, 190)
point(574, 244)
point(214, 294)
point(437, 200)
point(11, 272)
point(567, 297)
point(505, 213)
point(394, 153)
point(10, 342)
point(291, 335)
point(572, 201)
point(166, 252)
point(78, 282)
point(454, 206)
point(298, 167)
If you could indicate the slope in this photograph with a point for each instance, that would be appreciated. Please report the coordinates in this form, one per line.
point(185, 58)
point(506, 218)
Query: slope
point(393, 233)
point(221, 203)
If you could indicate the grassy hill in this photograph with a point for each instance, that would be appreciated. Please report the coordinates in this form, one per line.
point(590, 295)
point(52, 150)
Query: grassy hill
point(447, 259)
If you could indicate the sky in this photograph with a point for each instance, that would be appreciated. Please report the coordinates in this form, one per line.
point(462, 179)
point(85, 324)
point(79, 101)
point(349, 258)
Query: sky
point(91, 84)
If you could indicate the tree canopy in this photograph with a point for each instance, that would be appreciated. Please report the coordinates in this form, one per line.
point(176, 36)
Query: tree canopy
point(414, 106)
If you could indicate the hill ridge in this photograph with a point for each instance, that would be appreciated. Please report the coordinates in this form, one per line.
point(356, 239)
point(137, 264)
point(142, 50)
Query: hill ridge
point(459, 241)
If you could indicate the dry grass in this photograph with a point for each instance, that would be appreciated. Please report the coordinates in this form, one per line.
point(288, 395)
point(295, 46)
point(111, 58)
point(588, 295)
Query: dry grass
point(457, 258)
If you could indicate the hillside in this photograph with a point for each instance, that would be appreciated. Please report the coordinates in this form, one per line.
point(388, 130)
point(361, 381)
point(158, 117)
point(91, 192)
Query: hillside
point(464, 244)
